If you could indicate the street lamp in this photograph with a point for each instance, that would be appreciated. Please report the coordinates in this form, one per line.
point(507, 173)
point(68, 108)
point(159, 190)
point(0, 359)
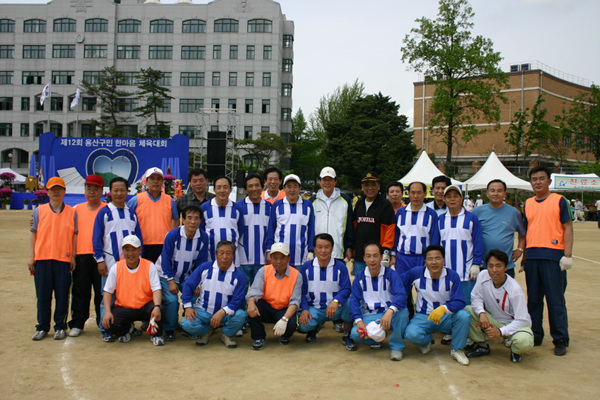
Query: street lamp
point(10, 156)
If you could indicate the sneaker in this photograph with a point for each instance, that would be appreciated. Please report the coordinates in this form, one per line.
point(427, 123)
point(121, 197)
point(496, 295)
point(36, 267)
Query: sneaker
point(74, 332)
point(203, 340)
point(559, 349)
point(60, 334)
point(375, 346)
point(107, 337)
point(446, 340)
point(245, 327)
point(228, 342)
point(311, 336)
point(537, 342)
point(284, 340)
point(396, 355)
point(169, 336)
point(514, 357)
point(39, 335)
point(349, 343)
point(460, 357)
point(189, 335)
point(479, 350)
point(339, 327)
point(134, 331)
point(125, 338)
point(157, 340)
point(425, 349)
point(507, 342)
point(258, 344)
point(239, 333)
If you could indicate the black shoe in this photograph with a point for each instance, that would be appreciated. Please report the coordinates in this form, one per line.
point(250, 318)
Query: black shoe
point(514, 357)
point(446, 340)
point(284, 340)
point(479, 351)
point(311, 336)
point(258, 344)
point(349, 343)
point(560, 349)
point(537, 342)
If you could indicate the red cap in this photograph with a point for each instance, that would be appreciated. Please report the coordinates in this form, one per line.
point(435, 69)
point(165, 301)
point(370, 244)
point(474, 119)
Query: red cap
point(95, 180)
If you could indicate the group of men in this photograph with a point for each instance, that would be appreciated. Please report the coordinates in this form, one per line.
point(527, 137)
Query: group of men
point(275, 257)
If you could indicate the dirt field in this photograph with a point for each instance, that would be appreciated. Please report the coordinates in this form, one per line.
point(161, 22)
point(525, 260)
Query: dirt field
point(87, 368)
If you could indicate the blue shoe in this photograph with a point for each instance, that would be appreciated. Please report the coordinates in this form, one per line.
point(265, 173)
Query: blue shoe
point(107, 337)
point(258, 344)
point(349, 343)
point(284, 340)
point(169, 336)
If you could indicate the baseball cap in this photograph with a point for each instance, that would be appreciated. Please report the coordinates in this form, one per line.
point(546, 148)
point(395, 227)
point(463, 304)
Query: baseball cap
point(292, 177)
point(55, 181)
point(369, 177)
point(95, 180)
point(451, 188)
point(153, 170)
point(280, 248)
point(327, 171)
point(131, 240)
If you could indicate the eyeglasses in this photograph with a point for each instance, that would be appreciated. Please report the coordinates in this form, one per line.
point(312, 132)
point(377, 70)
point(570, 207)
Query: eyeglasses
point(431, 259)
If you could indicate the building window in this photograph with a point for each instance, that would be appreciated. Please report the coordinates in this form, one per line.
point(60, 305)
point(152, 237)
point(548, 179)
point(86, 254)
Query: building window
point(233, 79)
point(191, 79)
point(62, 77)
point(38, 129)
point(32, 78)
point(92, 77)
point(94, 51)
point(56, 129)
point(217, 52)
point(232, 104)
point(193, 26)
point(286, 114)
point(129, 78)
point(96, 25)
point(190, 131)
point(248, 132)
point(233, 52)
point(56, 103)
point(566, 140)
point(166, 107)
point(216, 78)
point(288, 41)
point(161, 26)
point(260, 26)
point(5, 129)
point(128, 131)
point(286, 89)
point(34, 51)
point(24, 130)
point(267, 52)
point(190, 105)
point(34, 26)
point(226, 25)
point(249, 78)
point(129, 26)
point(193, 52)
point(265, 129)
point(63, 51)
point(7, 51)
point(252, 160)
point(127, 105)
point(6, 77)
point(160, 52)
point(166, 79)
point(287, 65)
point(38, 106)
point(266, 106)
point(6, 103)
point(88, 104)
point(249, 106)
point(7, 25)
point(25, 103)
point(215, 103)
point(64, 25)
point(266, 79)
point(249, 52)
point(128, 52)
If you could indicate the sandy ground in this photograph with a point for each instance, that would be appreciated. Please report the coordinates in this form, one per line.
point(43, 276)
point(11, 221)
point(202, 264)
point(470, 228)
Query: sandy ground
point(87, 368)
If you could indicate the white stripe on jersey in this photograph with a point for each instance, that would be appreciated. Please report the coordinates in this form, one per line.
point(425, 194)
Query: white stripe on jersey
point(220, 223)
point(292, 228)
point(256, 221)
point(118, 223)
point(414, 238)
point(323, 284)
point(457, 239)
point(185, 254)
point(431, 294)
point(217, 288)
point(376, 293)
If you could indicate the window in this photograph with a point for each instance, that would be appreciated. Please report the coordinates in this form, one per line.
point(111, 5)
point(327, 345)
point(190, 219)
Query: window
point(166, 79)
point(193, 52)
point(166, 107)
point(248, 132)
point(128, 105)
point(38, 106)
point(249, 106)
point(286, 89)
point(32, 78)
point(267, 52)
point(286, 114)
point(5, 129)
point(264, 129)
point(193, 26)
point(232, 104)
point(160, 52)
point(25, 103)
point(6, 77)
point(260, 26)
point(7, 51)
point(566, 139)
point(266, 79)
point(249, 52)
point(161, 26)
point(24, 130)
point(62, 77)
point(190, 131)
point(129, 78)
point(88, 104)
point(266, 106)
point(215, 103)
point(252, 160)
point(38, 129)
point(6, 103)
point(233, 52)
point(249, 78)
point(128, 52)
point(94, 51)
point(190, 105)
point(64, 25)
point(96, 25)
point(63, 51)
point(34, 26)
point(217, 52)
point(191, 79)
point(288, 41)
point(56, 103)
point(216, 78)
point(233, 79)
point(56, 129)
point(92, 77)
point(129, 26)
point(287, 65)
point(7, 25)
point(37, 51)
point(226, 25)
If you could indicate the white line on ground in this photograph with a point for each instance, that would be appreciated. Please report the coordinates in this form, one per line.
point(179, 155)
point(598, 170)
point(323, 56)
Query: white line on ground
point(586, 259)
point(453, 389)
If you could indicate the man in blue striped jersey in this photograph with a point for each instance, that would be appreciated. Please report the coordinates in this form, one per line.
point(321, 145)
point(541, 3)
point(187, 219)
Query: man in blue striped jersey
point(440, 304)
point(221, 300)
point(185, 248)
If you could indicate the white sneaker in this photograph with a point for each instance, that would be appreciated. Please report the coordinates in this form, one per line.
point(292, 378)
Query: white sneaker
point(425, 349)
point(446, 340)
point(228, 342)
point(239, 333)
point(507, 342)
point(201, 341)
point(459, 356)
point(157, 340)
point(396, 355)
point(74, 332)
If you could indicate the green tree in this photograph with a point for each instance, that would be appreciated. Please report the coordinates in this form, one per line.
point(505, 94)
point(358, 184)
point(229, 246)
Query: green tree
point(334, 107)
point(583, 118)
point(306, 151)
point(464, 70)
point(153, 97)
point(265, 147)
point(109, 98)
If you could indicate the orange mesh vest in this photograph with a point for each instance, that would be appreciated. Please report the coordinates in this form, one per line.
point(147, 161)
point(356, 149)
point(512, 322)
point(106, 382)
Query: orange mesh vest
point(544, 228)
point(278, 292)
point(54, 236)
point(154, 217)
point(85, 227)
point(133, 289)
point(280, 196)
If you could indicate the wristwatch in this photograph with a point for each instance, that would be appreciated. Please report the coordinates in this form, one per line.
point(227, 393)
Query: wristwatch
point(285, 318)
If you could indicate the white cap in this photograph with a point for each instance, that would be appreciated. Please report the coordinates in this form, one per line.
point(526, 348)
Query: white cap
point(153, 170)
point(292, 177)
point(280, 248)
point(451, 188)
point(375, 331)
point(327, 171)
point(131, 240)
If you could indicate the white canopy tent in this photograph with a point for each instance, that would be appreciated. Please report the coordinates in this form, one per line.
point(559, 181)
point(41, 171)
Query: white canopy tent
point(424, 171)
point(19, 179)
point(494, 169)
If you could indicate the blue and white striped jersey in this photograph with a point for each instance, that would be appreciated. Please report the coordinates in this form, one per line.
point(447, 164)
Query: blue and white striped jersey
point(111, 226)
point(375, 294)
point(254, 236)
point(221, 223)
point(321, 285)
point(432, 293)
point(181, 255)
point(415, 230)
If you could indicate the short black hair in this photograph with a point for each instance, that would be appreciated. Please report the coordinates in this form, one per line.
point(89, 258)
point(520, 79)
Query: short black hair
point(226, 243)
point(118, 179)
point(273, 169)
point(323, 236)
point(371, 243)
point(189, 209)
point(222, 177)
point(424, 186)
point(253, 175)
point(196, 172)
point(395, 183)
point(434, 247)
point(496, 181)
point(540, 168)
point(499, 254)
point(441, 178)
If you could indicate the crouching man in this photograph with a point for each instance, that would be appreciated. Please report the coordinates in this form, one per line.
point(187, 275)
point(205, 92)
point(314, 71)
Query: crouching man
point(134, 282)
point(221, 301)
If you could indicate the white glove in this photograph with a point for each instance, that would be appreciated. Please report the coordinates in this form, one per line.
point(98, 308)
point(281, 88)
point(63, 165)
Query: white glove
point(566, 263)
point(385, 260)
point(474, 271)
point(280, 327)
point(310, 256)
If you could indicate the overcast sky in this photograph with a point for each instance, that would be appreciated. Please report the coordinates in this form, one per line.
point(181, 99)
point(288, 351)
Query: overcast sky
point(338, 41)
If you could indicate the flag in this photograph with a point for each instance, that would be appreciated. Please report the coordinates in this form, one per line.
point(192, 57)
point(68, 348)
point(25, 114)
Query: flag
point(76, 99)
point(46, 93)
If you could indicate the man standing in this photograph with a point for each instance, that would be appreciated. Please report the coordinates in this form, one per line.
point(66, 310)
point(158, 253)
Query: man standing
point(53, 242)
point(439, 184)
point(273, 178)
point(499, 222)
point(197, 193)
point(579, 214)
point(157, 213)
point(374, 220)
point(221, 300)
point(468, 203)
point(86, 276)
point(479, 201)
point(395, 191)
point(548, 257)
